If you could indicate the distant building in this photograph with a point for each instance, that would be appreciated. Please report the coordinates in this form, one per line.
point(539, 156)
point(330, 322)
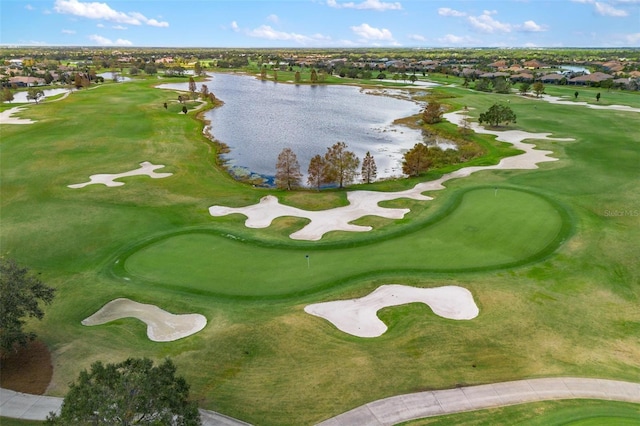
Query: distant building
point(26, 81)
point(533, 64)
point(596, 77)
point(523, 77)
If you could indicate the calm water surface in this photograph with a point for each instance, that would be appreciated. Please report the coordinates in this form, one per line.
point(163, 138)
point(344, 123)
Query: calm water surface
point(260, 118)
point(21, 97)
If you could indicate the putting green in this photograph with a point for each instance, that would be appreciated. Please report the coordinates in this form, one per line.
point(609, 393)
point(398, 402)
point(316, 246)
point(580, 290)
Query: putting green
point(483, 228)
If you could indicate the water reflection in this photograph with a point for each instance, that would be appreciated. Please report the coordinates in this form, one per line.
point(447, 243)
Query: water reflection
point(260, 118)
point(21, 97)
point(109, 76)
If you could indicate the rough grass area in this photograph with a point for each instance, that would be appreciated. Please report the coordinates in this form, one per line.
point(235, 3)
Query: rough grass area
point(552, 259)
point(27, 370)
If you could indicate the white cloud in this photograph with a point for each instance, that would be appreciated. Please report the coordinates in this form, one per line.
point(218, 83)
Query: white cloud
point(68, 31)
point(347, 43)
point(532, 27)
point(366, 5)
point(606, 9)
point(321, 37)
point(234, 26)
point(445, 11)
point(95, 10)
point(265, 31)
point(451, 39)
point(29, 7)
point(417, 37)
point(273, 18)
point(100, 25)
point(155, 23)
point(37, 43)
point(119, 27)
point(486, 24)
point(103, 41)
point(633, 39)
point(368, 32)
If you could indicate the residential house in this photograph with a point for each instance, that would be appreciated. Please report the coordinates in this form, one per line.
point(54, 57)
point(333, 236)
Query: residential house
point(23, 81)
point(553, 78)
point(523, 77)
point(533, 64)
point(588, 79)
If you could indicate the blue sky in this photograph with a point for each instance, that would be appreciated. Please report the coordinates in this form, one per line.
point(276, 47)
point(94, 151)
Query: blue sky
point(321, 23)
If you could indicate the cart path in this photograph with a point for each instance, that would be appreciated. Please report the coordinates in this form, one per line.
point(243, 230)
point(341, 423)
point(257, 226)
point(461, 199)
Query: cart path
point(396, 409)
point(402, 408)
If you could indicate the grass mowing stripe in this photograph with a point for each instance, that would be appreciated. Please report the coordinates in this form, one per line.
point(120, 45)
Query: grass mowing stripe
point(490, 227)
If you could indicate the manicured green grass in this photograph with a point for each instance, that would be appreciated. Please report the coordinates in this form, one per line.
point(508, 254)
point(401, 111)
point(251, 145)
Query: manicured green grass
point(551, 413)
point(489, 228)
point(571, 310)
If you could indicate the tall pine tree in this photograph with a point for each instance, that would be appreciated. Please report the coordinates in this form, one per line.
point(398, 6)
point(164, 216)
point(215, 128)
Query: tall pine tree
point(369, 168)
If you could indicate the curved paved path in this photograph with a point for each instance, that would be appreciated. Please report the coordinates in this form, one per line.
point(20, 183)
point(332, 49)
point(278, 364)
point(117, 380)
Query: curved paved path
point(402, 408)
point(36, 407)
point(396, 409)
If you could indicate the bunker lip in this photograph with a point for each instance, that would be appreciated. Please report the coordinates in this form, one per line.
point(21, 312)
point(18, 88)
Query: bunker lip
point(6, 117)
point(162, 326)
point(358, 317)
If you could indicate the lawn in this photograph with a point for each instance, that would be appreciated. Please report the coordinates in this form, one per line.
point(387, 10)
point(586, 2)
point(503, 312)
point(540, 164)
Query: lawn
point(551, 413)
point(551, 258)
point(488, 229)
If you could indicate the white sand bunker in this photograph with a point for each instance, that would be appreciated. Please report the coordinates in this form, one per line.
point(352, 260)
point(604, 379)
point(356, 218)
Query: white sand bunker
point(146, 168)
point(359, 316)
point(6, 117)
point(365, 203)
point(162, 326)
point(361, 203)
point(561, 101)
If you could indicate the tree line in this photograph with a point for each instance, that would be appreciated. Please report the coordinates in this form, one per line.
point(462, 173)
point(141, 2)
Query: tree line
point(338, 166)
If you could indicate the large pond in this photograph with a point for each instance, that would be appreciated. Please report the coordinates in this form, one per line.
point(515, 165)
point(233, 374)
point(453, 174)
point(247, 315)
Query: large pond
point(574, 68)
point(108, 76)
point(260, 118)
point(21, 97)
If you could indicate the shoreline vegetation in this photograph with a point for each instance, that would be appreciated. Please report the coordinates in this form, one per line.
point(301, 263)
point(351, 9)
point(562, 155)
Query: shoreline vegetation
point(569, 310)
point(373, 69)
point(468, 145)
